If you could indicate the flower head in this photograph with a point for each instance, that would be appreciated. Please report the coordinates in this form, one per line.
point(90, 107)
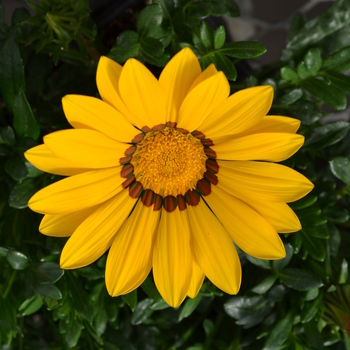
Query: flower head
point(168, 174)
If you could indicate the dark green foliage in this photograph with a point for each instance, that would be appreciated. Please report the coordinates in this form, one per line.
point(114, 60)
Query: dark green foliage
point(299, 302)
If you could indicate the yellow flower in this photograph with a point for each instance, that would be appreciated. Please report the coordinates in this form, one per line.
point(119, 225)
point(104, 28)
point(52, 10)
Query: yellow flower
point(167, 174)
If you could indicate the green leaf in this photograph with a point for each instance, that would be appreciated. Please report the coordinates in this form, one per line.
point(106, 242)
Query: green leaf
point(222, 63)
point(279, 265)
point(22, 192)
point(24, 121)
point(3, 252)
point(159, 305)
point(314, 246)
point(127, 46)
point(152, 51)
point(149, 18)
point(306, 111)
point(326, 135)
point(336, 214)
point(313, 336)
point(30, 306)
point(16, 168)
point(219, 37)
point(206, 35)
point(17, 260)
point(318, 232)
point(150, 289)
point(80, 297)
point(7, 136)
point(208, 326)
point(317, 29)
point(340, 167)
point(310, 309)
point(334, 239)
point(279, 333)
point(299, 279)
point(73, 332)
point(303, 203)
point(142, 312)
point(326, 93)
point(291, 97)
point(49, 290)
point(298, 23)
point(131, 299)
point(265, 264)
point(205, 8)
point(47, 272)
point(312, 294)
point(243, 49)
point(289, 74)
point(248, 311)
point(303, 71)
point(265, 285)
point(337, 59)
point(11, 71)
point(313, 61)
point(189, 306)
point(341, 81)
point(344, 272)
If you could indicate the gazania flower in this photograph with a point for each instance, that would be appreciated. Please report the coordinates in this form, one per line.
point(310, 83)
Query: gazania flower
point(168, 175)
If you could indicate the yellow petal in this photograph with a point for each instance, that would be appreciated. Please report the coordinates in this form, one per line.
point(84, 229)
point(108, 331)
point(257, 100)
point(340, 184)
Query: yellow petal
point(85, 112)
point(239, 112)
point(142, 95)
point(95, 235)
point(214, 250)
point(78, 192)
point(176, 79)
point(64, 225)
point(250, 231)
point(279, 215)
point(172, 257)
point(130, 258)
point(207, 73)
point(196, 280)
point(274, 147)
point(262, 181)
point(88, 147)
point(272, 124)
point(107, 80)
point(202, 100)
point(42, 158)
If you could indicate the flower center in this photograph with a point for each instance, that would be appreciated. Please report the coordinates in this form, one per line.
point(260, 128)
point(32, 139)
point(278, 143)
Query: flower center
point(169, 162)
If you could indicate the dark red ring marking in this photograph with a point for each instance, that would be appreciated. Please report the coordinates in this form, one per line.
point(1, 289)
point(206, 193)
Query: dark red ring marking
point(169, 203)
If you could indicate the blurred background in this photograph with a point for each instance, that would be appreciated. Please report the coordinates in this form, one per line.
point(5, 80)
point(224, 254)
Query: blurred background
point(266, 21)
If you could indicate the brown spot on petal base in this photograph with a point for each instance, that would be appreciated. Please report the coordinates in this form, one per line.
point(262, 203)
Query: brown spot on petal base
point(209, 152)
point(124, 160)
point(204, 187)
point(135, 189)
point(198, 134)
point(211, 177)
point(192, 197)
point(181, 202)
point(212, 165)
point(169, 203)
point(158, 203)
point(130, 151)
point(138, 138)
point(128, 181)
point(148, 197)
point(127, 170)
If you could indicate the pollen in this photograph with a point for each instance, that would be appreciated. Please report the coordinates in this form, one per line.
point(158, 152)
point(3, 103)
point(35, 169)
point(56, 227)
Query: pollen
point(169, 162)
